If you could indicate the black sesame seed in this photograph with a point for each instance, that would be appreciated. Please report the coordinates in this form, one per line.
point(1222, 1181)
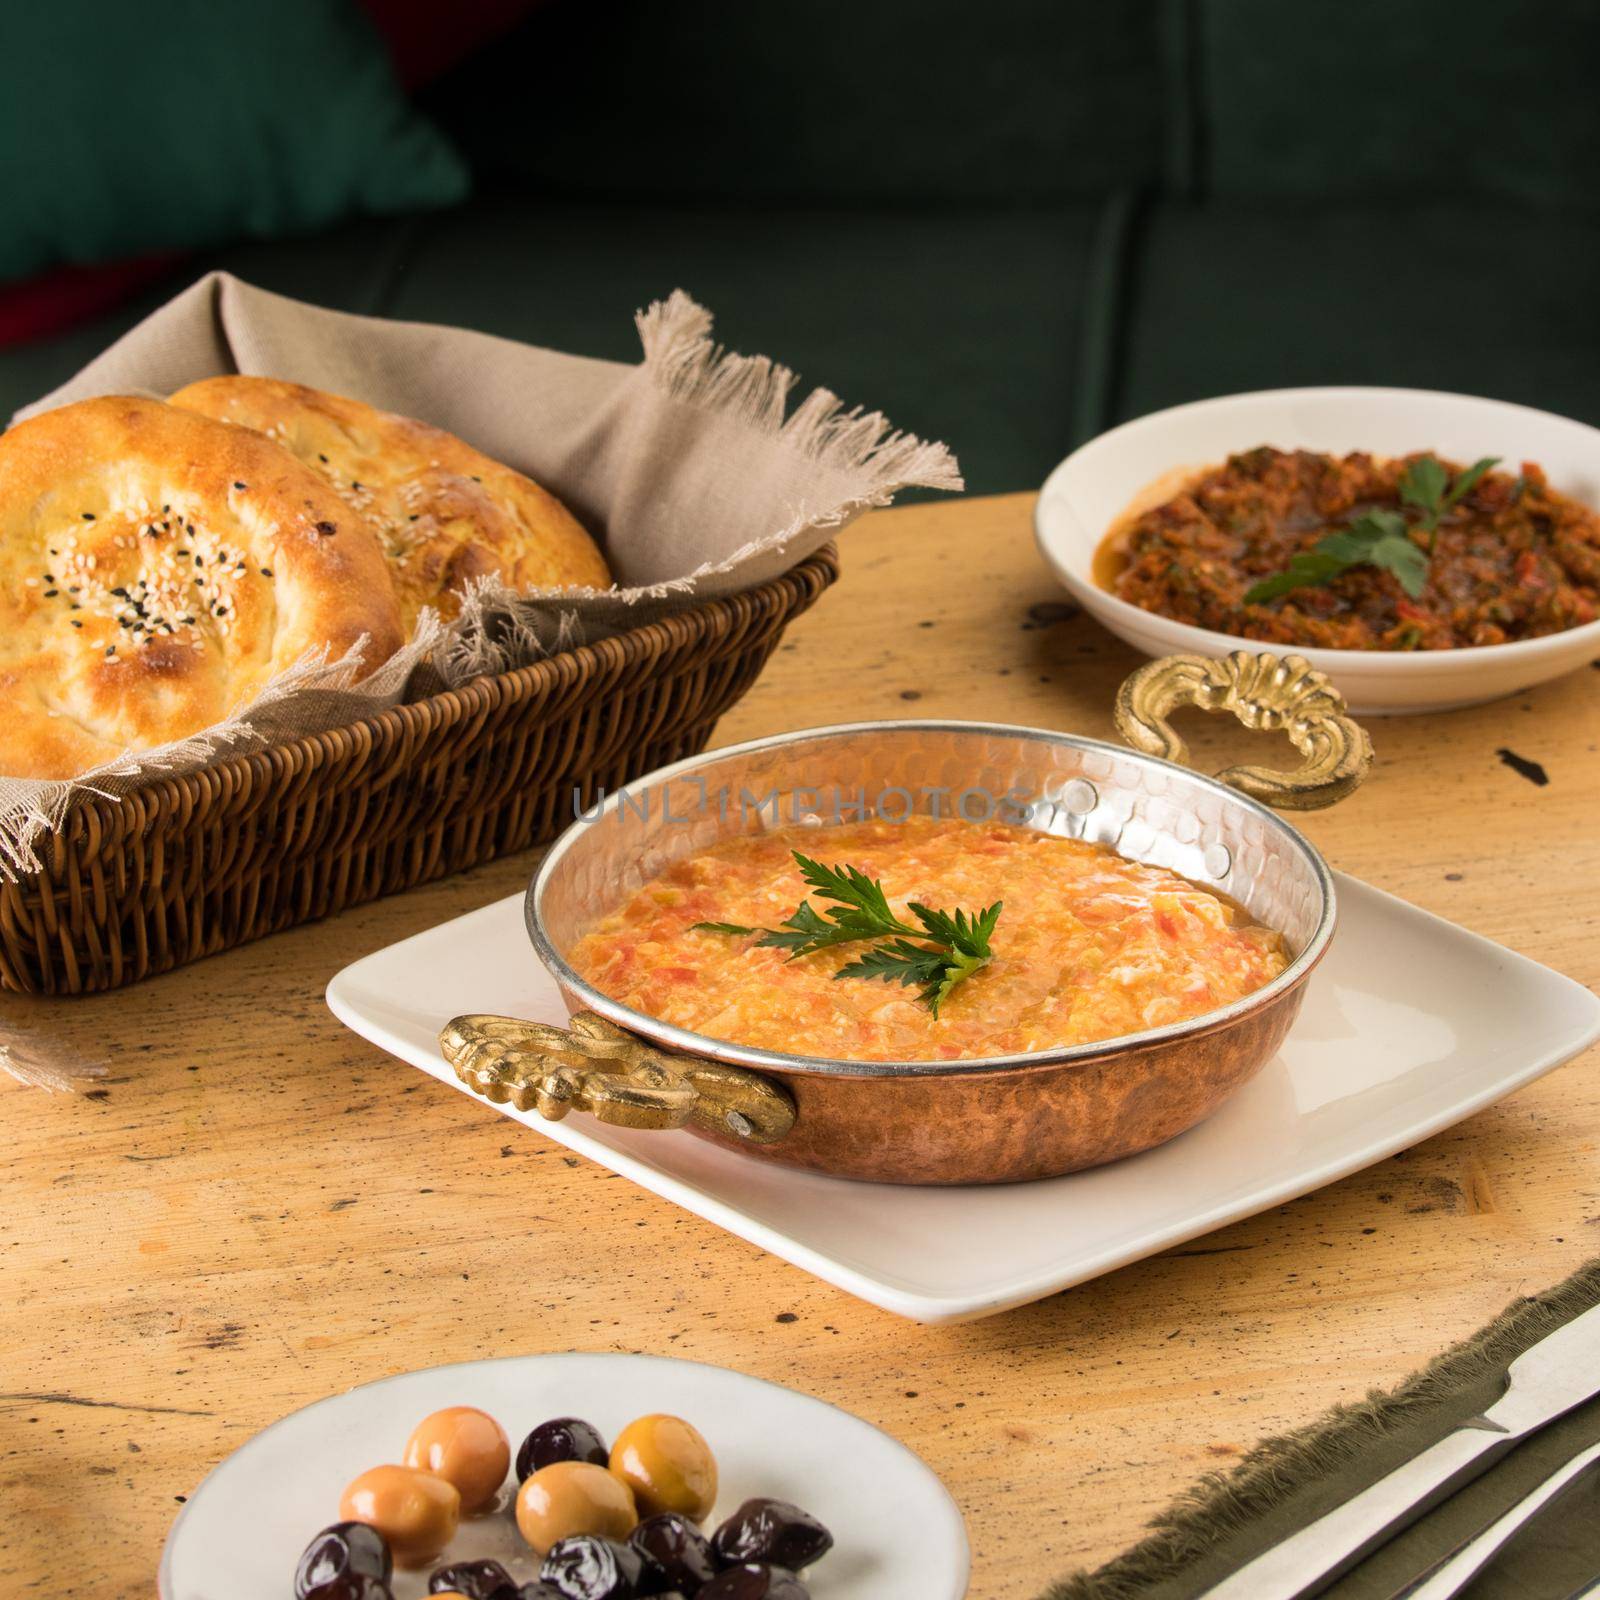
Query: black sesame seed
point(50, 594)
point(476, 478)
point(111, 649)
point(75, 622)
point(222, 611)
point(241, 486)
point(354, 484)
point(199, 561)
point(321, 457)
point(88, 516)
point(120, 592)
point(266, 572)
point(327, 529)
point(165, 510)
point(413, 517)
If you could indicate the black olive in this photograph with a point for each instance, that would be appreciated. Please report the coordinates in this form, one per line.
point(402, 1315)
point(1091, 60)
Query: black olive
point(345, 1553)
point(351, 1588)
point(772, 1530)
point(561, 1439)
point(754, 1580)
point(360, 1588)
point(677, 1549)
point(587, 1567)
point(477, 1580)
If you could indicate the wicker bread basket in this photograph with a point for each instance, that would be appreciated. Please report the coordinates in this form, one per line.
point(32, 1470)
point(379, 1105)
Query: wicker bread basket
point(188, 866)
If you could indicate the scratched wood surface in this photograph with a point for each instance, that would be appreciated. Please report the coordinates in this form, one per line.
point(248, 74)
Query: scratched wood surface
point(253, 1208)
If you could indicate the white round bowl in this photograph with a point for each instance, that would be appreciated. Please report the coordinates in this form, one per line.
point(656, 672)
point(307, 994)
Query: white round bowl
point(1095, 485)
point(900, 1535)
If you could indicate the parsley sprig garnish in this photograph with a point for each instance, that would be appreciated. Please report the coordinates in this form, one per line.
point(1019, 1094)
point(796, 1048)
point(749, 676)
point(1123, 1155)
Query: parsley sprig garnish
point(943, 951)
point(1382, 539)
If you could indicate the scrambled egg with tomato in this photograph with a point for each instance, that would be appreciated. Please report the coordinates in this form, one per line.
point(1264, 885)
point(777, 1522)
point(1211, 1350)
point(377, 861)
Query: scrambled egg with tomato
point(1089, 945)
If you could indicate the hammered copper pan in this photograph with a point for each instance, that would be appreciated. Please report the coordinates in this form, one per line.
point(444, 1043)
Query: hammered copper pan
point(993, 1120)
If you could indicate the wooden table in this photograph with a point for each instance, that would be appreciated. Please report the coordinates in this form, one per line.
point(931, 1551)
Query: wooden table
point(254, 1208)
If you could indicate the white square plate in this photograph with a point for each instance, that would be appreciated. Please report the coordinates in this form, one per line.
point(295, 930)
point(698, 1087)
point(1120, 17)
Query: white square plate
point(1409, 1025)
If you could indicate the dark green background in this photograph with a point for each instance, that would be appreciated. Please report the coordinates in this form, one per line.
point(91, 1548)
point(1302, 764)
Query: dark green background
point(1009, 223)
point(171, 124)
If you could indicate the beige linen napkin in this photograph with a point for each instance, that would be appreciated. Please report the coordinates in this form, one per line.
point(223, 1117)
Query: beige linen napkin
point(688, 469)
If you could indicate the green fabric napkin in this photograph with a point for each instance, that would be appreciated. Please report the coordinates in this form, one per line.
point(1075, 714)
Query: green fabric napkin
point(1284, 1484)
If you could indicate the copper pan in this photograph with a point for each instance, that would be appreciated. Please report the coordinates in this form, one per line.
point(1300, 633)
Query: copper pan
point(992, 1120)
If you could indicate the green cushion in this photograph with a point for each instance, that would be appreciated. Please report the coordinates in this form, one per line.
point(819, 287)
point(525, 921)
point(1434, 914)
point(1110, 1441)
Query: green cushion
point(979, 326)
point(939, 101)
point(1232, 297)
point(959, 325)
point(963, 326)
point(175, 124)
point(1430, 98)
point(351, 268)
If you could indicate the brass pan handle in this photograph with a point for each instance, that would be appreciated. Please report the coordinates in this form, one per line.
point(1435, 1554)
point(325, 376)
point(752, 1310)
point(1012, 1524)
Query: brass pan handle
point(596, 1066)
point(1263, 692)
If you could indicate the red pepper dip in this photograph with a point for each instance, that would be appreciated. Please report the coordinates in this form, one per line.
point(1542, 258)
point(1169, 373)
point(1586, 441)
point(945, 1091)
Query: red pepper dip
point(1513, 560)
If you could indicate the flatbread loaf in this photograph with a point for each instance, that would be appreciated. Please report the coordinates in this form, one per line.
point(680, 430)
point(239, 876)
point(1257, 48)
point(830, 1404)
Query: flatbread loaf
point(157, 568)
point(445, 512)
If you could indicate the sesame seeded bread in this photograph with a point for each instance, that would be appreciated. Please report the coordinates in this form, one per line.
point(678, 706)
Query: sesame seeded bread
point(445, 512)
point(157, 568)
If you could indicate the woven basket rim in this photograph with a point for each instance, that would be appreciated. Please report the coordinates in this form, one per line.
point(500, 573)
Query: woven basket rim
point(716, 616)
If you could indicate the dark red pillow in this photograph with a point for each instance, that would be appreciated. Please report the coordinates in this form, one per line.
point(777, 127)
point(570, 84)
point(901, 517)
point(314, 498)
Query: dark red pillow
point(426, 39)
point(59, 299)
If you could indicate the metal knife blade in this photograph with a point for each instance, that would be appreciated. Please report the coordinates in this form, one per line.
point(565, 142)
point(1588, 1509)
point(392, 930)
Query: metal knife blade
point(1543, 1383)
point(1548, 1379)
point(1452, 1576)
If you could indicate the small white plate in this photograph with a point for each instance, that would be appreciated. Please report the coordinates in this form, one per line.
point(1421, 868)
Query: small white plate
point(897, 1533)
point(1095, 485)
point(1409, 1025)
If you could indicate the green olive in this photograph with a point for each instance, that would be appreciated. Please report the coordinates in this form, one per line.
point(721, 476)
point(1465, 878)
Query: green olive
point(668, 1466)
